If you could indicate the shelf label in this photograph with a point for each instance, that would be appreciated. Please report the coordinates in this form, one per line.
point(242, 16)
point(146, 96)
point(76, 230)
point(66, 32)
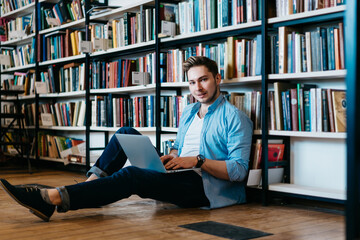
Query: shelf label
point(140, 78)
point(41, 87)
point(17, 87)
point(17, 34)
point(85, 46)
point(168, 28)
point(5, 59)
point(53, 21)
point(101, 44)
point(46, 119)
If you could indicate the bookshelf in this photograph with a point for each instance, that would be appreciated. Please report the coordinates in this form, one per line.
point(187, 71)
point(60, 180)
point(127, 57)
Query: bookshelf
point(263, 82)
point(353, 164)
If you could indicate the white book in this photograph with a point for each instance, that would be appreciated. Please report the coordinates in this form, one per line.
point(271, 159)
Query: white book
point(76, 113)
point(115, 112)
point(148, 24)
point(120, 30)
point(282, 49)
point(313, 116)
point(249, 10)
point(308, 51)
point(253, 56)
point(219, 10)
point(319, 113)
point(81, 116)
point(71, 79)
point(93, 113)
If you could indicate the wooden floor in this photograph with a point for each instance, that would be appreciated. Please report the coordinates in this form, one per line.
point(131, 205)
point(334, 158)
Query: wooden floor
point(137, 218)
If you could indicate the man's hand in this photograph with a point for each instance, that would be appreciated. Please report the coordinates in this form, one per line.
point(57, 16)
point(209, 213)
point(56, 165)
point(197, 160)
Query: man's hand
point(166, 158)
point(181, 162)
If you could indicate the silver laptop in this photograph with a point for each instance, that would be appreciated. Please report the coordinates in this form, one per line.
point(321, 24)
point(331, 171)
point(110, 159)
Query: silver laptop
point(142, 154)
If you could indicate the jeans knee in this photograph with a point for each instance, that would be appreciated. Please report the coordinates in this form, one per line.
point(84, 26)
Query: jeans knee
point(127, 130)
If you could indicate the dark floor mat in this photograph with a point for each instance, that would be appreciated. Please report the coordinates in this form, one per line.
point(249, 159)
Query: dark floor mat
point(225, 230)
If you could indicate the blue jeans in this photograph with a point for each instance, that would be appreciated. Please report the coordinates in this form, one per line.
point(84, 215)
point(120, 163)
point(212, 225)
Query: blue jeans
point(184, 189)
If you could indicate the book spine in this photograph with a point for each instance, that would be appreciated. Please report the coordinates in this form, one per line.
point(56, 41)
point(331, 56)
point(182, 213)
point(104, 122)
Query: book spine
point(294, 109)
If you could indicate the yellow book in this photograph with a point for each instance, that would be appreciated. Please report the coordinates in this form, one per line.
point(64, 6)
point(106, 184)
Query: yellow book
point(114, 33)
point(77, 42)
point(73, 43)
point(231, 57)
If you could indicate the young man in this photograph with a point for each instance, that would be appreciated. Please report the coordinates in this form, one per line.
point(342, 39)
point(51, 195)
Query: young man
point(213, 135)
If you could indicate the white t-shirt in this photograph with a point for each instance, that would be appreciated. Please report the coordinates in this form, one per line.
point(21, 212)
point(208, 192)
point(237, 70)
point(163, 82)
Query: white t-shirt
point(191, 145)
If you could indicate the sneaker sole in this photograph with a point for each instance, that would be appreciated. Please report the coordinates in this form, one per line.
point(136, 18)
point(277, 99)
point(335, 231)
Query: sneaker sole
point(32, 210)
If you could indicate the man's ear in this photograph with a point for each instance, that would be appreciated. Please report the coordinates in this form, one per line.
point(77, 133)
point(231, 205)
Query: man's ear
point(218, 78)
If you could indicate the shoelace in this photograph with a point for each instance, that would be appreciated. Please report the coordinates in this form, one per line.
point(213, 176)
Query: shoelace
point(31, 189)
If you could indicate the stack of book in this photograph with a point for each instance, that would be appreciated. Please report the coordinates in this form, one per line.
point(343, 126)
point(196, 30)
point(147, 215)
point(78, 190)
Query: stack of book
point(303, 107)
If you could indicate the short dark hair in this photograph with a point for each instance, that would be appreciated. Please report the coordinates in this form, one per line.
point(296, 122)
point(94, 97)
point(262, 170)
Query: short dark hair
point(194, 61)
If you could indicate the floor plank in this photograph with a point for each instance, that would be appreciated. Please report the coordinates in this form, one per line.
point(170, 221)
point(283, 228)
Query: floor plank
point(137, 218)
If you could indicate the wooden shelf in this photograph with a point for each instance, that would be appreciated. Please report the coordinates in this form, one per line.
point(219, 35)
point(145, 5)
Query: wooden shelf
point(308, 191)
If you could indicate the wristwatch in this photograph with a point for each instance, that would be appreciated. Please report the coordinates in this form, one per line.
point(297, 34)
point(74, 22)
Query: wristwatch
point(200, 160)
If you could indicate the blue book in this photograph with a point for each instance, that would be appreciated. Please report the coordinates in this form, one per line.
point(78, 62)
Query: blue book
point(258, 55)
point(331, 48)
point(197, 16)
point(119, 73)
point(54, 55)
point(283, 101)
point(151, 115)
point(58, 12)
point(110, 110)
point(318, 48)
point(68, 114)
point(324, 48)
point(44, 48)
point(307, 110)
point(288, 110)
point(303, 54)
point(301, 88)
point(225, 13)
point(276, 54)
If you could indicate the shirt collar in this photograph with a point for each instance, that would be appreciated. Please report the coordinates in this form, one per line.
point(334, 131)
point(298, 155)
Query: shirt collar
point(212, 107)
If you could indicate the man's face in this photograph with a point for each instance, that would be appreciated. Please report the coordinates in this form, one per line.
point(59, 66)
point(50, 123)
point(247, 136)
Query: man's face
point(202, 84)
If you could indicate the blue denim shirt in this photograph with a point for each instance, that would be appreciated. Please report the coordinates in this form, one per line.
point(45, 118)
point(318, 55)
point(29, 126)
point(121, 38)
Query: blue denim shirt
point(225, 136)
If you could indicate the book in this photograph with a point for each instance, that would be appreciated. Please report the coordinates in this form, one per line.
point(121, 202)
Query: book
point(278, 88)
point(339, 110)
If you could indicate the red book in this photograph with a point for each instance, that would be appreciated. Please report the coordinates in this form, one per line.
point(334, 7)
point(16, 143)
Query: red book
point(294, 109)
point(275, 153)
point(106, 76)
point(330, 107)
